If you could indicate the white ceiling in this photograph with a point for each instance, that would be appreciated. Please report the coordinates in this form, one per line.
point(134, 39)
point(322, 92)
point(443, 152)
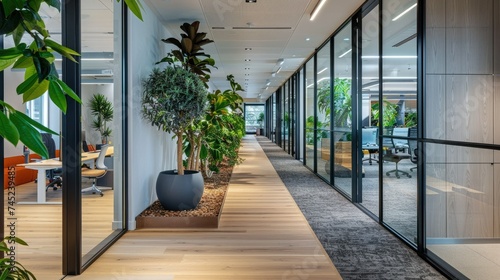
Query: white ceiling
point(273, 29)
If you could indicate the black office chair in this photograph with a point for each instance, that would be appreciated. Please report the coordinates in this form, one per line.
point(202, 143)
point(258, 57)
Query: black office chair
point(54, 175)
point(397, 151)
point(412, 133)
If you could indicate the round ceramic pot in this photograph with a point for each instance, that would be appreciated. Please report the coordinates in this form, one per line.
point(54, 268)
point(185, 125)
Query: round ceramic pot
point(179, 192)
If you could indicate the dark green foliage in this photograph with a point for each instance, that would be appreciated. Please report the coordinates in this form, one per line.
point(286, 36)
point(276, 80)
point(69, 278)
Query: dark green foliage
point(189, 52)
point(218, 135)
point(390, 113)
point(341, 102)
point(102, 109)
point(173, 98)
point(13, 270)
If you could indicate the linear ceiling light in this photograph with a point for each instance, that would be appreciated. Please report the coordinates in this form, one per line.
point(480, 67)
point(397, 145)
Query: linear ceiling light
point(324, 69)
point(403, 13)
point(344, 54)
point(316, 9)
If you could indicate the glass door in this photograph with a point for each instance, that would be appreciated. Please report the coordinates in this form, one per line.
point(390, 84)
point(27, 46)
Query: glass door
point(368, 95)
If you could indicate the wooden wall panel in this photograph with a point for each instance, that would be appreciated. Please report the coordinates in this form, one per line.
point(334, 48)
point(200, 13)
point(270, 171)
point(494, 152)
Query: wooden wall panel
point(435, 106)
point(469, 200)
point(469, 108)
point(496, 119)
point(496, 32)
point(435, 50)
point(457, 154)
point(469, 13)
point(435, 13)
point(435, 201)
point(496, 201)
point(469, 39)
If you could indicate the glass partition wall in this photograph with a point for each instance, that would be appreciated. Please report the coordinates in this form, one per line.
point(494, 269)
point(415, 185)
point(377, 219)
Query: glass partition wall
point(407, 174)
point(368, 100)
point(323, 113)
point(399, 116)
point(342, 109)
point(310, 131)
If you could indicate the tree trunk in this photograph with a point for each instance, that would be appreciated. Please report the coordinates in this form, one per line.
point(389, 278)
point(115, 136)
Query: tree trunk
point(180, 168)
point(198, 152)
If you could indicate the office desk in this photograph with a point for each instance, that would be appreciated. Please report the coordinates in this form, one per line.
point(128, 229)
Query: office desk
point(48, 164)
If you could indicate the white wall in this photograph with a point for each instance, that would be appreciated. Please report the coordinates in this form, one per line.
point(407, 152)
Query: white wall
point(150, 151)
point(12, 80)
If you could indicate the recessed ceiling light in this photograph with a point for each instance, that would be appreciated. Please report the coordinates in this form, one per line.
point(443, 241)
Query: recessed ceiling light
point(247, 68)
point(251, 1)
point(248, 59)
point(308, 39)
point(248, 49)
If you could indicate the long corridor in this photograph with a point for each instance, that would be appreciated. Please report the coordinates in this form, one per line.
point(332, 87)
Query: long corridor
point(262, 235)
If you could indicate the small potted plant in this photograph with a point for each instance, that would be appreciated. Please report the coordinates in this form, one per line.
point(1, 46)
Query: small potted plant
point(173, 99)
point(102, 110)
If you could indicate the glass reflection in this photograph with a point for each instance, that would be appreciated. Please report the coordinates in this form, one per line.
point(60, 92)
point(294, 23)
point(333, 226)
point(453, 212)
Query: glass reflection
point(324, 112)
point(310, 135)
point(399, 117)
point(342, 111)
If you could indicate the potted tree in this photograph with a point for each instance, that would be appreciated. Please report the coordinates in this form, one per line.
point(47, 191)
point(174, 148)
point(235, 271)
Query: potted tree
point(173, 99)
point(102, 110)
point(260, 120)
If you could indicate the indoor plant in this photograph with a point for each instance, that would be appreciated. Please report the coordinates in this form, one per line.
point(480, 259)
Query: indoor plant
point(172, 99)
point(102, 110)
point(217, 135)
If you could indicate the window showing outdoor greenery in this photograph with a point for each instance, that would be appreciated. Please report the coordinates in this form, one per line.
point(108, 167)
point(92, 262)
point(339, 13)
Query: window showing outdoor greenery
point(253, 119)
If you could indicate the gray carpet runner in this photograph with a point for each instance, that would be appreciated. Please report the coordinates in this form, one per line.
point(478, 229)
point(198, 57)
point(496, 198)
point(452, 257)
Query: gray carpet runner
point(359, 247)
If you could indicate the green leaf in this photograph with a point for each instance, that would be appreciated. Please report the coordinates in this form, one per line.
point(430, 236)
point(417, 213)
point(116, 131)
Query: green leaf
point(54, 3)
point(44, 67)
point(68, 90)
point(37, 90)
point(67, 52)
point(27, 84)
point(35, 123)
point(135, 7)
point(57, 95)
point(4, 63)
point(12, 52)
point(23, 62)
point(8, 130)
point(17, 34)
point(35, 4)
point(11, 5)
point(11, 23)
point(30, 136)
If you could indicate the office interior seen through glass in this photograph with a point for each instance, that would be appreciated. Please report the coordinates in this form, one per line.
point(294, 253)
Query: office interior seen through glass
point(39, 210)
point(363, 124)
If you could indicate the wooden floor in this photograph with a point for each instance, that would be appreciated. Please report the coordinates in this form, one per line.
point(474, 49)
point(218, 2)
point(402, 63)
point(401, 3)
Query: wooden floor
point(262, 235)
point(41, 227)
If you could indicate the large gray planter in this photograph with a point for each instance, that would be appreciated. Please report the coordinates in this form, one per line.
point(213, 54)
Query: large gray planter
point(179, 192)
